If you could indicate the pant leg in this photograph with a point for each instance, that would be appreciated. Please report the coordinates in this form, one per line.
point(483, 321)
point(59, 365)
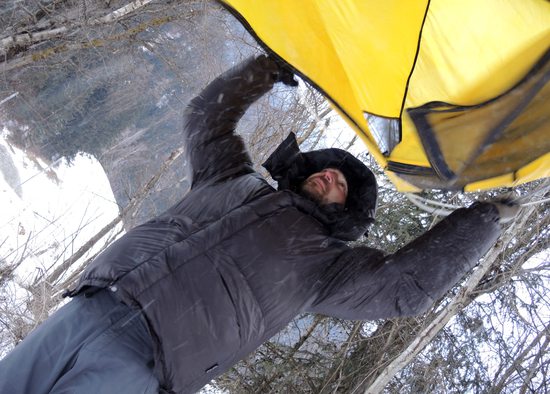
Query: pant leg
point(118, 361)
point(54, 349)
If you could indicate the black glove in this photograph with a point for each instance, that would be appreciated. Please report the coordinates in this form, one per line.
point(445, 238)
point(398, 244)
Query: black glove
point(280, 71)
point(286, 75)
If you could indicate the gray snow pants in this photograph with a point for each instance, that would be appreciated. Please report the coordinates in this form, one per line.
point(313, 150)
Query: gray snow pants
point(93, 345)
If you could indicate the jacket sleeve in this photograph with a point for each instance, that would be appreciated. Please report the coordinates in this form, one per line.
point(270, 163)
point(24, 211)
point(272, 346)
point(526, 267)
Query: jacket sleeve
point(211, 146)
point(365, 284)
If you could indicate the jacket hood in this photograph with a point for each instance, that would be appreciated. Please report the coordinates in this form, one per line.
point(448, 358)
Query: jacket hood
point(290, 168)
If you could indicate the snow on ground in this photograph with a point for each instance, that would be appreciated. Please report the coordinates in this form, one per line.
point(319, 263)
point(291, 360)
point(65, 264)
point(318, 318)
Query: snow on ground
point(52, 211)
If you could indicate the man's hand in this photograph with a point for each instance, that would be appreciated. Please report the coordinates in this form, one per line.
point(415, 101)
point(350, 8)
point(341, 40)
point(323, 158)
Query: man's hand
point(278, 69)
point(507, 210)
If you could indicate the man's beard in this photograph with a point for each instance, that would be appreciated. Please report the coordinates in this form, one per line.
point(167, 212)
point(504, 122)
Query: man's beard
point(309, 192)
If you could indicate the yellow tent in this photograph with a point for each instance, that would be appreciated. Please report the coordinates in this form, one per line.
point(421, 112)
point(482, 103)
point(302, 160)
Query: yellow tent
point(449, 94)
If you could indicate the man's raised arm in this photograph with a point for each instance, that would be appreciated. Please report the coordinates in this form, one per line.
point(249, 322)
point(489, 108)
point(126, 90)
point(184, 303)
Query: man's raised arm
point(365, 284)
point(212, 148)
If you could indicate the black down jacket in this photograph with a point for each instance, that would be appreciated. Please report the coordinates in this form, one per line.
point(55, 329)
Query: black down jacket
point(235, 260)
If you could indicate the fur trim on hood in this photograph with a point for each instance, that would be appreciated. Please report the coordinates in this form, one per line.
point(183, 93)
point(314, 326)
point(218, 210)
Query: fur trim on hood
point(290, 168)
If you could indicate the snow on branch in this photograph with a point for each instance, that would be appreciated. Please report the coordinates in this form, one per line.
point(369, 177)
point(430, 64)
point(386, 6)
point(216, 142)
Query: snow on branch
point(28, 38)
point(122, 11)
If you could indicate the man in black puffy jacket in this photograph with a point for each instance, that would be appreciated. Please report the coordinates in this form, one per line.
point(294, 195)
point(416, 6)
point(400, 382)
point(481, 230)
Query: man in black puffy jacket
point(178, 300)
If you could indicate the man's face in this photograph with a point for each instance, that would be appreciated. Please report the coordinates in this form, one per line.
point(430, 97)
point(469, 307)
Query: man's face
point(327, 187)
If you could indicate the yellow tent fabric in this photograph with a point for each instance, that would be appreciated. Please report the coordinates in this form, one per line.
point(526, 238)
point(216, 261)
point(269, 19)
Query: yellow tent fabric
point(450, 94)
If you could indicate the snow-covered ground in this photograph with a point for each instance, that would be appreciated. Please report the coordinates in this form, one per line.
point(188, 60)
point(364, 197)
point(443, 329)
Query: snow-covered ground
point(49, 212)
